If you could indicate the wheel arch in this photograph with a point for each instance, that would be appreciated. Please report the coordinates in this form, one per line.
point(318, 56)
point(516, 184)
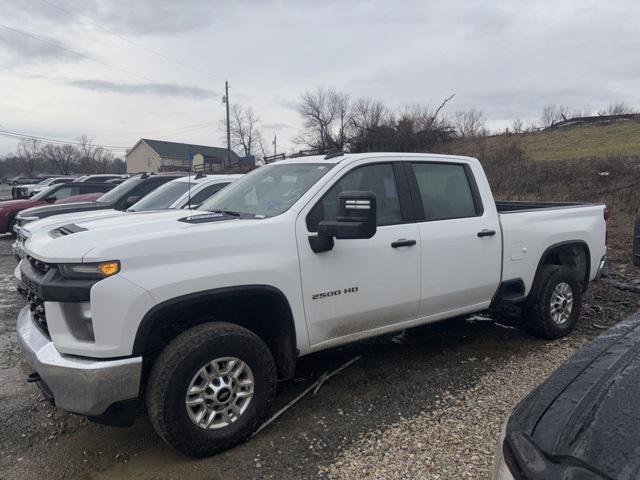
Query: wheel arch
point(560, 254)
point(262, 309)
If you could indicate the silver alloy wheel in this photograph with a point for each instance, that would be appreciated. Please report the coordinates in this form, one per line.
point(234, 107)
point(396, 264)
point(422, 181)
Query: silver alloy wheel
point(219, 393)
point(561, 303)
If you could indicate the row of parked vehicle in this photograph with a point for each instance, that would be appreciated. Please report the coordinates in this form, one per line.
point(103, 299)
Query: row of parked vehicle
point(196, 314)
point(27, 190)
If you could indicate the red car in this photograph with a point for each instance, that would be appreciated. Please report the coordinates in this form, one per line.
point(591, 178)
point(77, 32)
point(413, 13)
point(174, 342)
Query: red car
point(62, 193)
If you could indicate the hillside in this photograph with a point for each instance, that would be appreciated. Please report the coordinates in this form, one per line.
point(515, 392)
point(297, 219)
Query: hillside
point(579, 142)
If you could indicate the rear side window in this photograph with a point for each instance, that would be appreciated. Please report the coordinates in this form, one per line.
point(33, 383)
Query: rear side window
point(207, 192)
point(378, 178)
point(445, 191)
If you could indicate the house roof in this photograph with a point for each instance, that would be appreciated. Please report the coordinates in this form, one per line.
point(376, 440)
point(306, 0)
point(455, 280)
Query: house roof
point(185, 150)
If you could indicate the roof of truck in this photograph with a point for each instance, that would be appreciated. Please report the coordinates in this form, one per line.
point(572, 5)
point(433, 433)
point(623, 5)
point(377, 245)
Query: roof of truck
point(358, 156)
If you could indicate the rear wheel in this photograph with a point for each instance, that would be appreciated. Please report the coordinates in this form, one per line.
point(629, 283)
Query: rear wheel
point(211, 388)
point(554, 303)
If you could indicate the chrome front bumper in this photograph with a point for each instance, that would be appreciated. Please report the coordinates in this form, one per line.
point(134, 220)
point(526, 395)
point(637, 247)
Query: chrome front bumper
point(80, 385)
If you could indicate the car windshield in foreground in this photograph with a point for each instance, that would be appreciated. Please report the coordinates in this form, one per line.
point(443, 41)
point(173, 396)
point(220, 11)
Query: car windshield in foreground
point(120, 191)
point(267, 191)
point(163, 197)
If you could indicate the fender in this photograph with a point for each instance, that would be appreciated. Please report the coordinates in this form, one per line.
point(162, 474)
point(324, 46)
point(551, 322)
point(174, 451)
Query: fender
point(282, 341)
point(580, 243)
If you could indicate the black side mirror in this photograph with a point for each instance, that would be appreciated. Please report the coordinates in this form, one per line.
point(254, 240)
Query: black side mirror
point(131, 199)
point(50, 199)
point(356, 220)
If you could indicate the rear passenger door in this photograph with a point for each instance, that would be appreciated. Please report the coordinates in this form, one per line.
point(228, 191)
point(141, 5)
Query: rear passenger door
point(460, 269)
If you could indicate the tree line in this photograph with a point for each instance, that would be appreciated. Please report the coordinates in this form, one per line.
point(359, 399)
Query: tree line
point(33, 156)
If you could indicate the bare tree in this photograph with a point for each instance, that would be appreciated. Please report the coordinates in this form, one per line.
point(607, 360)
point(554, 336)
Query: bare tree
point(29, 153)
point(549, 116)
point(87, 155)
point(620, 108)
point(245, 134)
point(325, 114)
point(61, 157)
point(369, 114)
point(470, 123)
point(517, 126)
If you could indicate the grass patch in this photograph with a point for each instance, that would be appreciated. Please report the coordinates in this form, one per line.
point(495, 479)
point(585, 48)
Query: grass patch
point(620, 139)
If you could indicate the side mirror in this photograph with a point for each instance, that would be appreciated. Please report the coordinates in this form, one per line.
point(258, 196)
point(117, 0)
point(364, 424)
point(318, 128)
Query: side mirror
point(131, 200)
point(50, 199)
point(356, 220)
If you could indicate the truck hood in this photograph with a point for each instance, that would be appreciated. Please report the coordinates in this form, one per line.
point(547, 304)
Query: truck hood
point(55, 221)
point(587, 410)
point(111, 236)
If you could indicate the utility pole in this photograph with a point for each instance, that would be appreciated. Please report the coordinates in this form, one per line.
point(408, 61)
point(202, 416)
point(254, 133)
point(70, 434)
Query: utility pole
point(226, 101)
point(275, 139)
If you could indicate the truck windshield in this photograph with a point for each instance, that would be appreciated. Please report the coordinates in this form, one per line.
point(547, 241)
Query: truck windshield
point(267, 191)
point(162, 197)
point(112, 196)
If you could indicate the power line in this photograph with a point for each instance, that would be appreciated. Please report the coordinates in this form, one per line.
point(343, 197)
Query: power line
point(82, 55)
point(22, 136)
point(125, 39)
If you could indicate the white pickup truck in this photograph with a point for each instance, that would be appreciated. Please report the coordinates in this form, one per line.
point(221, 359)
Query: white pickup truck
point(199, 313)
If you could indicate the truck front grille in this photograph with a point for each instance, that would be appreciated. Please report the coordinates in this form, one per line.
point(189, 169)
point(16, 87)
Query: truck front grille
point(36, 306)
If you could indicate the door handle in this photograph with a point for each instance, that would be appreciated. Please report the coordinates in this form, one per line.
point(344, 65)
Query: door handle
point(486, 233)
point(403, 243)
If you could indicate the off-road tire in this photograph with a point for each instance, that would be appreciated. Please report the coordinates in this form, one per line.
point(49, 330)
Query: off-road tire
point(537, 311)
point(176, 366)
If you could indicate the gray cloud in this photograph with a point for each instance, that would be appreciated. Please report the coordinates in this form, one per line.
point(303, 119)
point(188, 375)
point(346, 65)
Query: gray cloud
point(140, 17)
point(23, 49)
point(160, 89)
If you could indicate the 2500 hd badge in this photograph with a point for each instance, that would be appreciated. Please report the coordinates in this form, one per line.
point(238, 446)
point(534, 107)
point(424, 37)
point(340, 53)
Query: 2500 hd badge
point(333, 293)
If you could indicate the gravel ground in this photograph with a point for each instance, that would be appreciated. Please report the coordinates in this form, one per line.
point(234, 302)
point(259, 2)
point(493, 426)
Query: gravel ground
point(427, 404)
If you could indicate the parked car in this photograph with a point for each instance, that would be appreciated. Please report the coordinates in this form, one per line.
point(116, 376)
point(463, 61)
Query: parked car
point(10, 209)
point(582, 422)
point(15, 182)
point(22, 180)
point(120, 197)
point(295, 257)
point(179, 193)
point(28, 190)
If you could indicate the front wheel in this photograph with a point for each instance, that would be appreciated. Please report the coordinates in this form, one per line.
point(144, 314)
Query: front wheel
point(554, 303)
point(211, 388)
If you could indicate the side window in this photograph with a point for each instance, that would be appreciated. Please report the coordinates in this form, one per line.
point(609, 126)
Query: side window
point(146, 188)
point(65, 192)
point(445, 191)
point(377, 178)
point(207, 192)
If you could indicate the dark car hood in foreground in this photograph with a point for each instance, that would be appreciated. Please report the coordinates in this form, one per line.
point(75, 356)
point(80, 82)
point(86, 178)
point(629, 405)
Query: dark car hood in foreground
point(586, 415)
point(59, 209)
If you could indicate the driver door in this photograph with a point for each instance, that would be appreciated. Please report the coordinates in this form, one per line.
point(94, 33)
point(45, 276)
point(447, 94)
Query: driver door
point(363, 286)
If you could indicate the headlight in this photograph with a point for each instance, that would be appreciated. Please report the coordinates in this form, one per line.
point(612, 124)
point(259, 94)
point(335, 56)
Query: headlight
point(94, 271)
point(501, 469)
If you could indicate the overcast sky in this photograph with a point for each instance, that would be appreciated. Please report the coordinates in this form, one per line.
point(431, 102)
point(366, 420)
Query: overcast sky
point(84, 67)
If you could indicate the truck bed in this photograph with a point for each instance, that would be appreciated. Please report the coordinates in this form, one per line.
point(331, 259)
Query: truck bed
point(506, 206)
